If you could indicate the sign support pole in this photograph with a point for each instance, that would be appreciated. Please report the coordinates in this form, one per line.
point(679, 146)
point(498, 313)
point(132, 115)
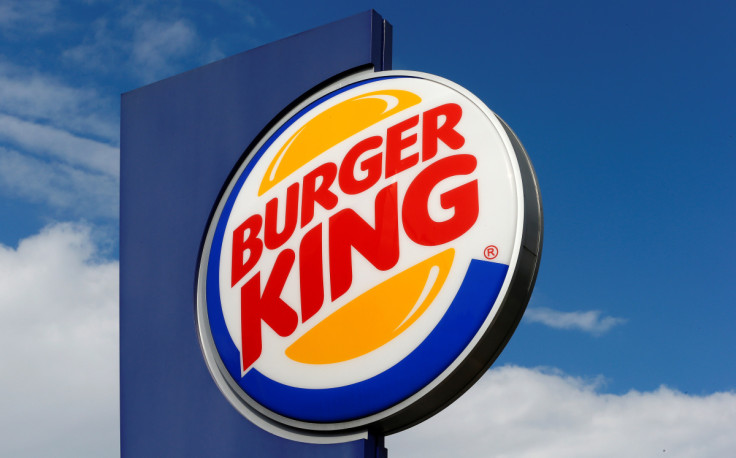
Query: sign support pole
point(375, 446)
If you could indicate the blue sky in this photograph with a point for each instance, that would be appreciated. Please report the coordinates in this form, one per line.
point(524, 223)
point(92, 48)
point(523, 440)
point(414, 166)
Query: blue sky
point(627, 110)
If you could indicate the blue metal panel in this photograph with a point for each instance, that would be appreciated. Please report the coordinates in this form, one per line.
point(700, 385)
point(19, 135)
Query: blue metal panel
point(180, 139)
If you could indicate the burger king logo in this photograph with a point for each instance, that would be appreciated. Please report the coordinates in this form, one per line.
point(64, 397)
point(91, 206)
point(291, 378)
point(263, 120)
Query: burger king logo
point(369, 257)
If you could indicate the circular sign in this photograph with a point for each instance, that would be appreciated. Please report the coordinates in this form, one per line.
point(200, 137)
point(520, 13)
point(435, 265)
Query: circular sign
point(369, 258)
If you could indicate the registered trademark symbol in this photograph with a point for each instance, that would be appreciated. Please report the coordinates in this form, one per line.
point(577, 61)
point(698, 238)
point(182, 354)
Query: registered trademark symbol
point(490, 252)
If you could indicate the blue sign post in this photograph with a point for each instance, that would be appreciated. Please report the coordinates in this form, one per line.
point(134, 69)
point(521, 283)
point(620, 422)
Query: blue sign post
point(180, 140)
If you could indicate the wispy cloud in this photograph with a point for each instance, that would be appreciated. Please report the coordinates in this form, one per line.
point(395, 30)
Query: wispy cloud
point(57, 144)
point(139, 43)
point(103, 49)
point(58, 346)
point(154, 40)
point(155, 51)
point(29, 95)
point(75, 191)
point(157, 45)
point(592, 321)
point(245, 12)
point(528, 413)
point(19, 18)
point(70, 149)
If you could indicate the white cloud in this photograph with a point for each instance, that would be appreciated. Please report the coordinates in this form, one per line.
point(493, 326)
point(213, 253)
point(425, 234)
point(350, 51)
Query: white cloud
point(531, 413)
point(58, 346)
point(59, 390)
point(75, 191)
point(591, 321)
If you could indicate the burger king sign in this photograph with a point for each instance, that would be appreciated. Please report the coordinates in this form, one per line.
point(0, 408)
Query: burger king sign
point(369, 257)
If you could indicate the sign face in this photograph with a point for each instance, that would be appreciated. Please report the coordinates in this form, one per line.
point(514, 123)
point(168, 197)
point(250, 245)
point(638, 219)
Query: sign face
point(369, 258)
